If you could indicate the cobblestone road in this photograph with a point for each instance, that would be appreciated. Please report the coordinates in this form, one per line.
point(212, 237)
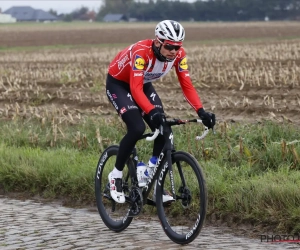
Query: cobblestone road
point(32, 225)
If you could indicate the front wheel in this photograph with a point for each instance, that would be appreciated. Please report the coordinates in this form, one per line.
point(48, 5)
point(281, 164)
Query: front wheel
point(183, 219)
point(114, 215)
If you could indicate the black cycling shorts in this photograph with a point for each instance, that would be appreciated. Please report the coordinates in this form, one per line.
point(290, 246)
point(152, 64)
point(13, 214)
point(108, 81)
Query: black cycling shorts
point(118, 93)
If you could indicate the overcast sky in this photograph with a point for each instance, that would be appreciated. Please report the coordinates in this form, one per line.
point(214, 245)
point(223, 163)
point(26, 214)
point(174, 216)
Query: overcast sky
point(61, 6)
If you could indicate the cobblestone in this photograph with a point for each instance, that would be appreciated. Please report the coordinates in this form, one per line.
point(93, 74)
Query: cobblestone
point(32, 225)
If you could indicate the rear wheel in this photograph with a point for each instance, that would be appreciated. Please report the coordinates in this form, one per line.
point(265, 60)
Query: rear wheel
point(114, 215)
point(183, 219)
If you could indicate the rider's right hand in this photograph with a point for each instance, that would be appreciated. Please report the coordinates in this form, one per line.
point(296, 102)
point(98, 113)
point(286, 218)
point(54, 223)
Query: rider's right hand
point(157, 118)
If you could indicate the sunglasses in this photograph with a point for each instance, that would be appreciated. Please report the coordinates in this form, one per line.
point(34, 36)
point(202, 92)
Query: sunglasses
point(169, 46)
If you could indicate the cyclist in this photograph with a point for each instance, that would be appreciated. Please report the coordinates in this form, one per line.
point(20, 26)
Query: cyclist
point(129, 88)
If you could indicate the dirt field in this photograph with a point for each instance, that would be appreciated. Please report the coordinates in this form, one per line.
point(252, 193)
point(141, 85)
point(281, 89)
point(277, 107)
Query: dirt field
point(47, 34)
point(239, 81)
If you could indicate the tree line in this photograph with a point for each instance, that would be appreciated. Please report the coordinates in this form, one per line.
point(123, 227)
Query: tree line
point(209, 10)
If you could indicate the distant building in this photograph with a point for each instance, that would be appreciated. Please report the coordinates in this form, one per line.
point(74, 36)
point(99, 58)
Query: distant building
point(6, 18)
point(27, 13)
point(114, 18)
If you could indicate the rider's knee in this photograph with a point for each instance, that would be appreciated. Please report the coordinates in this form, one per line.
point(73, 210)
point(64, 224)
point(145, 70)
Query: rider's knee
point(138, 129)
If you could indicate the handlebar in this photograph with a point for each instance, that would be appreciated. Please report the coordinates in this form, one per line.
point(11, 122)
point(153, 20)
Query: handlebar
point(179, 122)
point(152, 138)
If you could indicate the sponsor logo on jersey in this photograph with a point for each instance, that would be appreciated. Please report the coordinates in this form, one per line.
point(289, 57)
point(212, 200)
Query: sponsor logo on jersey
point(182, 66)
point(139, 63)
point(129, 95)
point(153, 96)
point(122, 62)
point(165, 66)
point(151, 76)
point(132, 107)
point(123, 110)
point(112, 99)
point(138, 74)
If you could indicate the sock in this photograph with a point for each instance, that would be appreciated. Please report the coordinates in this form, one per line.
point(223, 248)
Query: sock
point(117, 173)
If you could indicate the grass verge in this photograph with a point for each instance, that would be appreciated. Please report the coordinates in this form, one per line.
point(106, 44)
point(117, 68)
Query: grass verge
point(252, 170)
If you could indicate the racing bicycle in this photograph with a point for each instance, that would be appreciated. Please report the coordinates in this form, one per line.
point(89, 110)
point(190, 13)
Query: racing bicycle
point(176, 171)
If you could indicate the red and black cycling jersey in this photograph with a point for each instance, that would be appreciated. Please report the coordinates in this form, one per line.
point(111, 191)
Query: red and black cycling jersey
point(137, 65)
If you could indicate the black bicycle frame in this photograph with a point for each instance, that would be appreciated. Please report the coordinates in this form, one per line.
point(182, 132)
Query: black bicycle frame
point(164, 162)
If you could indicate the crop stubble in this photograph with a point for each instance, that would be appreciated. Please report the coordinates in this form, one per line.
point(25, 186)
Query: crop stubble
point(238, 81)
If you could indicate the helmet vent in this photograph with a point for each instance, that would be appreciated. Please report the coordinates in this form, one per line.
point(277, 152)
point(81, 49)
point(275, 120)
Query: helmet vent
point(170, 30)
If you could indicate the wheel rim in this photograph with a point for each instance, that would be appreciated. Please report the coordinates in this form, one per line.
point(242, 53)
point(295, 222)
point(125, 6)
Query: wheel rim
point(112, 211)
point(183, 220)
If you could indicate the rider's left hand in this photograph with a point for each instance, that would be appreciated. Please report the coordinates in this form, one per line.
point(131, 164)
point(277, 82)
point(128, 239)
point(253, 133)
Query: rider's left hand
point(208, 119)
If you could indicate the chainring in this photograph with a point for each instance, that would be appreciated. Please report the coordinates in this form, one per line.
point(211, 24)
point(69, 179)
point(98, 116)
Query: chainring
point(136, 200)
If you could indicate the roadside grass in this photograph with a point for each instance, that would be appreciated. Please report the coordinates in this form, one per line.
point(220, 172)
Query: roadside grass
point(271, 198)
point(51, 173)
point(252, 170)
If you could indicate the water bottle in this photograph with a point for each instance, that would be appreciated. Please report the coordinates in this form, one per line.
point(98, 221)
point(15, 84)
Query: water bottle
point(151, 165)
point(142, 174)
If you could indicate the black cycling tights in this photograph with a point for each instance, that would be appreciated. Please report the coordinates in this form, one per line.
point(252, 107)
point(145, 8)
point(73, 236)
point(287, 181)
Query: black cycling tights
point(135, 129)
point(119, 95)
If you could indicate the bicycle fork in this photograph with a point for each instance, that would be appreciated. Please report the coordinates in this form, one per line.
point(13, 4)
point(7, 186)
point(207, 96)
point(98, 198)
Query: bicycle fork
point(171, 175)
point(168, 148)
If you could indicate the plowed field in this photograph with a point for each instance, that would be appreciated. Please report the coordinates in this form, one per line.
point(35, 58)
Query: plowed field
point(252, 74)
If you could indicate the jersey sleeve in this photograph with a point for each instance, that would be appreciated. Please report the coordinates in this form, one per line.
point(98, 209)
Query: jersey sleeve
point(187, 87)
point(139, 60)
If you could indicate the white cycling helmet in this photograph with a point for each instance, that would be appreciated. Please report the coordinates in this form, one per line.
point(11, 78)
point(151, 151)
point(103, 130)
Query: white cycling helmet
point(170, 30)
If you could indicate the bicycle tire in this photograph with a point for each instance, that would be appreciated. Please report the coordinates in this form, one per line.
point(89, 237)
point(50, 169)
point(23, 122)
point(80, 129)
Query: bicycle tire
point(183, 219)
point(116, 220)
